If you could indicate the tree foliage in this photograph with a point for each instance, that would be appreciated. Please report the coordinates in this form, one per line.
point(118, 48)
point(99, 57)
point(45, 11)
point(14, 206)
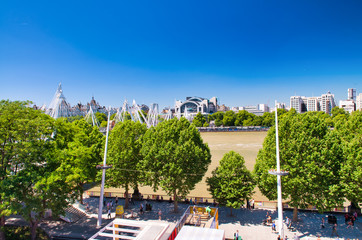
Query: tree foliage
point(199, 120)
point(312, 154)
point(80, 145)
point(125, 142)
point(351, 171)
point(175, 157)
point(31, 180)
point(231, 182)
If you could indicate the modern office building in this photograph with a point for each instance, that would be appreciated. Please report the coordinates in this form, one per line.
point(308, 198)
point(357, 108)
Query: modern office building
point(351, 94)
point(359, 102)
point(347, 105)
point(303, 104)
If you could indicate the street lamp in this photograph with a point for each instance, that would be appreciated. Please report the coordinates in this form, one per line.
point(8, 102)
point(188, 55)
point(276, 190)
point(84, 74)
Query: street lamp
point(103, 167)
point(278, 173)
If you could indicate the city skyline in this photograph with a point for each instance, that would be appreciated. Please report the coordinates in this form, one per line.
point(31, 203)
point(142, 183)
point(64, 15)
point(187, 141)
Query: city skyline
point(244, 53)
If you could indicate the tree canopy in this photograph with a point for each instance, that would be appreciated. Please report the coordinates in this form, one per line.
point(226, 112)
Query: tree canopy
point(231, 182)
point(125, 142)
point(312, 154)
point(31, 178)
point(175, 157)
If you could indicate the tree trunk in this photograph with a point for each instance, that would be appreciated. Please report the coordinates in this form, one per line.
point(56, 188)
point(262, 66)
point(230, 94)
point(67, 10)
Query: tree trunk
point(33, 227)
point(231, 211)
point(2, 224)
point(81, 196)
point(295, 214)
point(127, 199)
point(175, 205)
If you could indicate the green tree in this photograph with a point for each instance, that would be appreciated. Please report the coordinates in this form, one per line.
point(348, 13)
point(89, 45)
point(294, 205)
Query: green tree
point(30, 178)
point(229, 118)
point(175, 157)
point(125, 142)
point(351, 172)
point(199, 120)
point(82, 151)
point(268, 119)
point(312, 154)
point(101, 117)
point(231, 182)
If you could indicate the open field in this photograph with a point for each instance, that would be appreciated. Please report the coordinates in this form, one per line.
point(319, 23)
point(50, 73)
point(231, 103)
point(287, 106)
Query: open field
point(245, 143)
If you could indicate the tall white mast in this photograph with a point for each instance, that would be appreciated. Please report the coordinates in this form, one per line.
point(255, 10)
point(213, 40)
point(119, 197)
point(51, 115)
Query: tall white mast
point(279, 180)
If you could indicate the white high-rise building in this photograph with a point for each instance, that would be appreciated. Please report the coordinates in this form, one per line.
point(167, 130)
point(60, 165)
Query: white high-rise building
point(347, 105)
point(327, 102)
point(351, 94)
point(313, 104)
point(298, 103)
point(359, 102)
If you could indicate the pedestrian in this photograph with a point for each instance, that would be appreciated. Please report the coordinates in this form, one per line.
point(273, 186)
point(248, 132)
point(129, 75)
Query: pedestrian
point(322, 225)
point(273, 227)
point(208, 210)
point(252, 203)
point(159, 214)
point(87, 207)
point(104, 203)
point(141, 208)
point(334, 230)
point(109, 213)
point(286, 237)
point(278, 238)
point(116, 200)
point(108, 206)
point(236, 235)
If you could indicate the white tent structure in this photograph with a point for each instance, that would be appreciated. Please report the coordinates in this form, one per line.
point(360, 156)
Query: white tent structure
point(134, 111)
point(90, 117)
point(58, 106)
point(152, 117)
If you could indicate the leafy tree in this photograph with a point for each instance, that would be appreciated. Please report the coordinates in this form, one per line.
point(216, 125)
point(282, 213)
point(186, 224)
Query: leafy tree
point(218, 122)
point(351, 172)
point(175, 157)
point(82, 152)
point(199, 120)
point(268, 119)
point(101, 117)
point(231, 182)
point(312, 154)
point(125, 142)
point(30, 178)
point(241, 116)
point(229, 118)
point(216, 116)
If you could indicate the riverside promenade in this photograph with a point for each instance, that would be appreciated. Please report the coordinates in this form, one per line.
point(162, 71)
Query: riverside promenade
point(248, 222)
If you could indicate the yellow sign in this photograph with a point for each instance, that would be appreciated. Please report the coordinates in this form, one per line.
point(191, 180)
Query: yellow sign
point(119, 210)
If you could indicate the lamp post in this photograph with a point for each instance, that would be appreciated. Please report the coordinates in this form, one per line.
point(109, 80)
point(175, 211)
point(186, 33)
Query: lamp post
point(103, 167)
point(279, 174)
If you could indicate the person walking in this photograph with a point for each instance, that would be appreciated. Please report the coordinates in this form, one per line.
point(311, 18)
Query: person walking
point(109, 214)
point(236, 235)
point(334, 230)
point(159, 214)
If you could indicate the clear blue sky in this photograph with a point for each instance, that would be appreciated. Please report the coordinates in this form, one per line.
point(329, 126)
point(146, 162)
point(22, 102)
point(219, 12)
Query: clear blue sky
point(243, 52)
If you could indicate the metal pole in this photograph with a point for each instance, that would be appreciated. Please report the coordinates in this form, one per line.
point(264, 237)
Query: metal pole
point(99, 222)
point(279, 182)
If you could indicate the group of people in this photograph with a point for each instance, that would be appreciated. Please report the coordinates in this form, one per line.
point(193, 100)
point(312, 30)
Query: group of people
point(349, 219)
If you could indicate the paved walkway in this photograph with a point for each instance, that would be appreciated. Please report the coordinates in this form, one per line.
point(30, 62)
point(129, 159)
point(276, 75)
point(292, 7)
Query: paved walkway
point(248, 222)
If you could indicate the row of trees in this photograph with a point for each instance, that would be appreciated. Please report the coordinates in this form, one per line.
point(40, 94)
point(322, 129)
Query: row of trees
point(44, 163)
point(244, 118)
point(230, 118)
point(171, 156)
